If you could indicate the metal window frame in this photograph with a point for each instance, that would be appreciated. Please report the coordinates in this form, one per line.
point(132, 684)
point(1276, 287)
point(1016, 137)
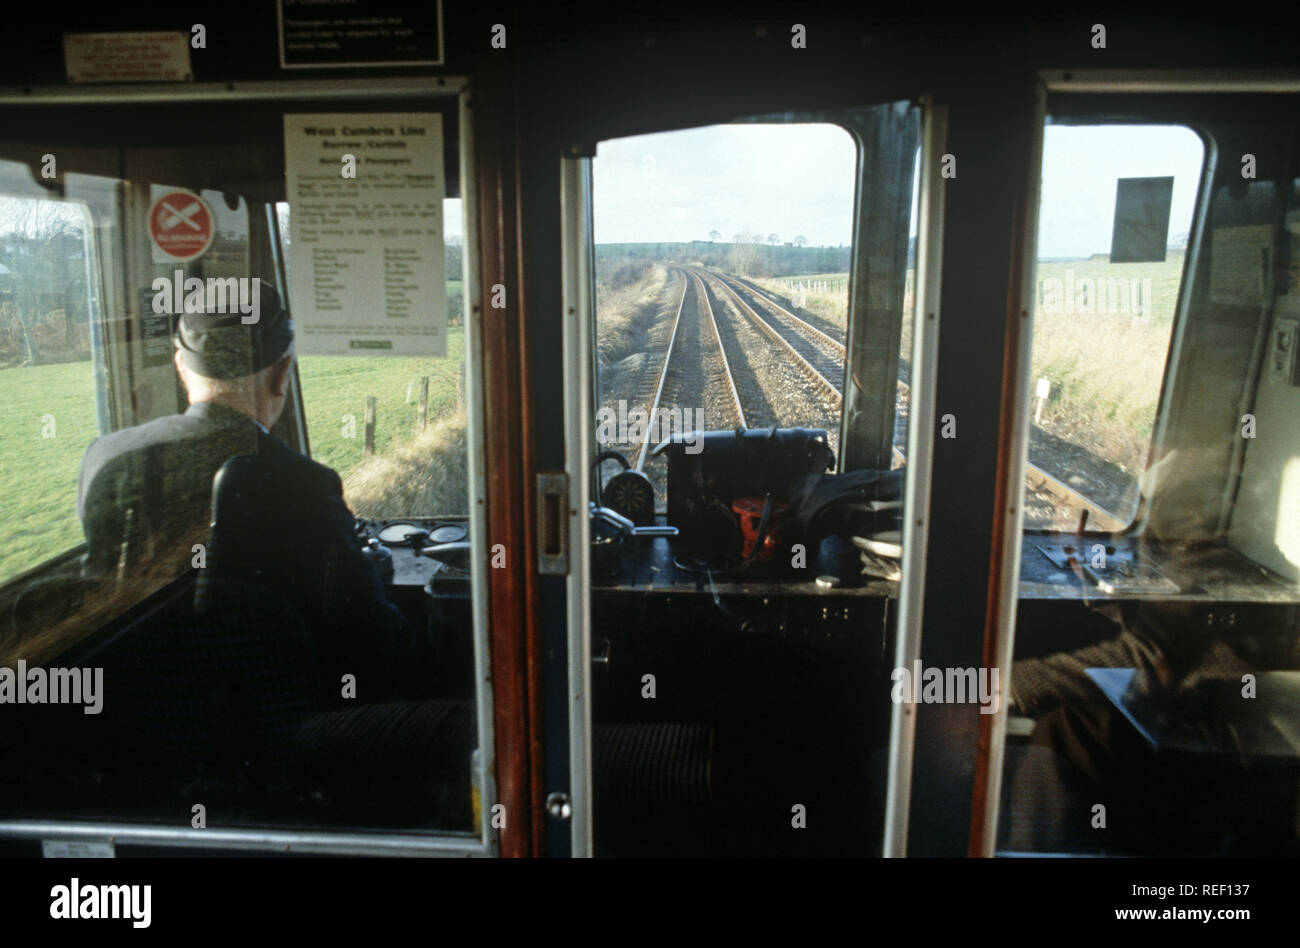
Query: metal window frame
point(579, 323)
point(1147, 81)
point(862, 433)
point(352, 842)
point(171, 93)
point(1014, 513)
point(282, 279)
point(920, 464)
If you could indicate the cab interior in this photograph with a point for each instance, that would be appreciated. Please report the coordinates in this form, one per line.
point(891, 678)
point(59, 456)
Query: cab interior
point(664, 652)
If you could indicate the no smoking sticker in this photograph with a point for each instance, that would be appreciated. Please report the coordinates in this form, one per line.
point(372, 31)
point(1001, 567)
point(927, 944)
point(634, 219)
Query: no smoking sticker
point(180, 225)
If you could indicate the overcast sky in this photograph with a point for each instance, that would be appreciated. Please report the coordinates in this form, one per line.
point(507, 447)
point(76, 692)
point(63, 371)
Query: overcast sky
point(679, 186)
point(798, 180)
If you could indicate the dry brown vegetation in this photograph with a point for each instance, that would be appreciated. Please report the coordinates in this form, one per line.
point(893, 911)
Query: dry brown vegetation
point(629, 302)
point(425, 476)
point(826, 295)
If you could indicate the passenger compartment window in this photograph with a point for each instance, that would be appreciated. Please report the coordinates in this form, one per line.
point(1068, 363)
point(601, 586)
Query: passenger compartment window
point(1102, 326)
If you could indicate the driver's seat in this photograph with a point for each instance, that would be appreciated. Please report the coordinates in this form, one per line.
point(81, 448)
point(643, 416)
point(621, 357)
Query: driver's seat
point(211, 708)
point(280, 524)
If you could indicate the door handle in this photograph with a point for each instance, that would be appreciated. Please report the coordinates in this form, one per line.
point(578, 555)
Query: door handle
point(553, 524)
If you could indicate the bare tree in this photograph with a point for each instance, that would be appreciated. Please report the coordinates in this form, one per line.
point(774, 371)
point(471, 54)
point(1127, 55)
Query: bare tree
point(454, 251)
point(39, 247)
point(714, 236)
point(743, 259)
point(773, 239)
point(800, 241)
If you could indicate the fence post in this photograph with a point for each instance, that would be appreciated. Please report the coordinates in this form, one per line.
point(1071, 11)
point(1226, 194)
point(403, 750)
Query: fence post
point(424, 402)
point(369, 447)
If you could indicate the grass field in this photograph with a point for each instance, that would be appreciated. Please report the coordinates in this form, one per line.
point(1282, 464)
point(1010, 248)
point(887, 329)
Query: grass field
point(1105, 367)
point(337, 386)
point(827, 295)
point(38, 475)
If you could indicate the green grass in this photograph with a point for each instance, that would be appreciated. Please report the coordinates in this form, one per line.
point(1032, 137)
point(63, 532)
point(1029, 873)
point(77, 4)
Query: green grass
point(38, 475)
point(336, 386)
point(831, 303)
point(1106, 367)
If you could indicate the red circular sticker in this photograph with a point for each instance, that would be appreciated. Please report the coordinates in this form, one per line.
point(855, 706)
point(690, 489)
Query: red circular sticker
point(180, 225)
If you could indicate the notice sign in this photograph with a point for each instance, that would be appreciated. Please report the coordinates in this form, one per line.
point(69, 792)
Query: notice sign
point(127, 57)
point(316, 35)
point(180, 226)
point(366, 255)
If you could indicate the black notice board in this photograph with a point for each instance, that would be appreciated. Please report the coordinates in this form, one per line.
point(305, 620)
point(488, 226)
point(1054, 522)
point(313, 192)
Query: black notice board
point(155, 331)
point(1142, 208)
point(315, 35)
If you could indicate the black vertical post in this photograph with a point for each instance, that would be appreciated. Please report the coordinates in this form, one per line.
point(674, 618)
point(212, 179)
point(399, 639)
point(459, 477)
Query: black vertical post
point(989, 136)
point(369, 446)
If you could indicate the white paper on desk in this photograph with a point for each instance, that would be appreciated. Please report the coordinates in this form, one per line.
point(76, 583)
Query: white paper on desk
point(366, 257)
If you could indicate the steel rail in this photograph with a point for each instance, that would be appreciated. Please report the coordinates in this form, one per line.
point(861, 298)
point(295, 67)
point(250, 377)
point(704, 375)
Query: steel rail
point(1037, 477)
point(829, 388)
point(726, 366)
point(663, 375)
point(801, 325)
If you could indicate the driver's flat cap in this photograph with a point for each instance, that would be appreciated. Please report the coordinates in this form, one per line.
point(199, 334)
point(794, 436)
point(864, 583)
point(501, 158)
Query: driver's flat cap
point(218, 344)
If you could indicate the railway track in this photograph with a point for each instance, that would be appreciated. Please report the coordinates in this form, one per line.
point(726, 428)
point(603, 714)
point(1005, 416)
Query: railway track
point(695, 374)
point(656, 395)
point(820, 342)
point(811, 364)
point(768, 344)
point(1037, 480)
point(805, 343)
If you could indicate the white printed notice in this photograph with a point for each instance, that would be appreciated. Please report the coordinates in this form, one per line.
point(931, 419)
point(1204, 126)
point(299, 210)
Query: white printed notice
point(366, 257)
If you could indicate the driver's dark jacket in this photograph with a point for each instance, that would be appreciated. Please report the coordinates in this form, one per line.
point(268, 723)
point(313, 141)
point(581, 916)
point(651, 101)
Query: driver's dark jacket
point(145, 498)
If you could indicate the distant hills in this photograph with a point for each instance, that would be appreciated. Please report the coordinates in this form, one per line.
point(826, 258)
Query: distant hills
point(750, 259)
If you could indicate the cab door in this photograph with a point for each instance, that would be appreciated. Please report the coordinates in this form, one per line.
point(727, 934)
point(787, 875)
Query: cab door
point(711, 709)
